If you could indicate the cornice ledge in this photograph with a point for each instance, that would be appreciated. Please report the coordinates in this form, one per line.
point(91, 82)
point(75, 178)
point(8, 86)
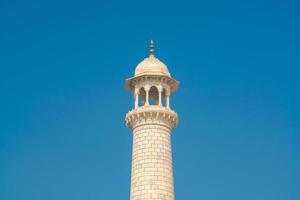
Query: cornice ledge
point(151, 114)
point(131, 82)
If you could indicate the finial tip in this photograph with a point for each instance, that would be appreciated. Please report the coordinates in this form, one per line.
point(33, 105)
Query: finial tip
point(151, 47)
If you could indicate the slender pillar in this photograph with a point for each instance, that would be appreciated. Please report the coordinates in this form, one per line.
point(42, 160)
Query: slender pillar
point(168, 101)
point(136, 99)
point(159, 98)
point(147, 89)
point(160, 90)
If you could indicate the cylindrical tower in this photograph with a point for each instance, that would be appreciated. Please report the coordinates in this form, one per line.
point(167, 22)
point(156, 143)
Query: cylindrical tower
point(151, 121)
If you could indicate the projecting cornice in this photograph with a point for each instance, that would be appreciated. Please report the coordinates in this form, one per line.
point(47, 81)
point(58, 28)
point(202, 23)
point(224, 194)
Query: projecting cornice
point(132, 82)
point(151, 114)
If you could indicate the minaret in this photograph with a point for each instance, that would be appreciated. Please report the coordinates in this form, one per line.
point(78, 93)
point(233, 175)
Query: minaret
point(151, 121)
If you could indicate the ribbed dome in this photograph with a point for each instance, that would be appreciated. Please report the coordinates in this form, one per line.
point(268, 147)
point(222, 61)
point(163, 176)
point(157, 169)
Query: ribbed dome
point(151, 66)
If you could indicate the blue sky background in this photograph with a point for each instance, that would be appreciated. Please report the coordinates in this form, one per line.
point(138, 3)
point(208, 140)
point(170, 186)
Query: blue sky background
point(63, 102)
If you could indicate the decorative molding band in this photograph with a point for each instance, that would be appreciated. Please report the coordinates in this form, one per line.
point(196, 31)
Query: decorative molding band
point(151, 114)
point(131, 82)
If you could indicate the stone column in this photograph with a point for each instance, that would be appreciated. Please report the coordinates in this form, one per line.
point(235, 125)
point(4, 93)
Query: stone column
point(136, 99)
point(168, 99)
point(147, 89)
point(160, 90)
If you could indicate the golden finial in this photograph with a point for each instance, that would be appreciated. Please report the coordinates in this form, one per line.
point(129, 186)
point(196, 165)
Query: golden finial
point(151, 48)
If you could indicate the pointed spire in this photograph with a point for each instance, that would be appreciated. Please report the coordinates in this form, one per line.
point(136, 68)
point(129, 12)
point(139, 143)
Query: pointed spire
point(151, 48)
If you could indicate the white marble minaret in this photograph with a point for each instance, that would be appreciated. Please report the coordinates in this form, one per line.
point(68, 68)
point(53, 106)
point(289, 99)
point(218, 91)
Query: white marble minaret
point(151, 121)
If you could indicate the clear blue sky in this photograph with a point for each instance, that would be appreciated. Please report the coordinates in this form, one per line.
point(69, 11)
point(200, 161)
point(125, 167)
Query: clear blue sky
point(63, 102)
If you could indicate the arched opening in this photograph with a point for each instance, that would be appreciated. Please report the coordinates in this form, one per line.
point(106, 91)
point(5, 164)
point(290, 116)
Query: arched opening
point(153, 96)
point(142, 97)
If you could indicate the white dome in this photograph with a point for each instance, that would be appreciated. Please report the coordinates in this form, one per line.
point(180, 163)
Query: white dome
point(151, 66)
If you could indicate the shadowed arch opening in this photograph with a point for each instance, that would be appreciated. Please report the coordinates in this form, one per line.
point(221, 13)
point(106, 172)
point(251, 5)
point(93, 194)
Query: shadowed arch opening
point(142, 97)
point(153, 96)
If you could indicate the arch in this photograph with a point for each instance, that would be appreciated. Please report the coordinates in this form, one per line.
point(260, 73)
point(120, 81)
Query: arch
point(153, 96)
point(142, 96)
